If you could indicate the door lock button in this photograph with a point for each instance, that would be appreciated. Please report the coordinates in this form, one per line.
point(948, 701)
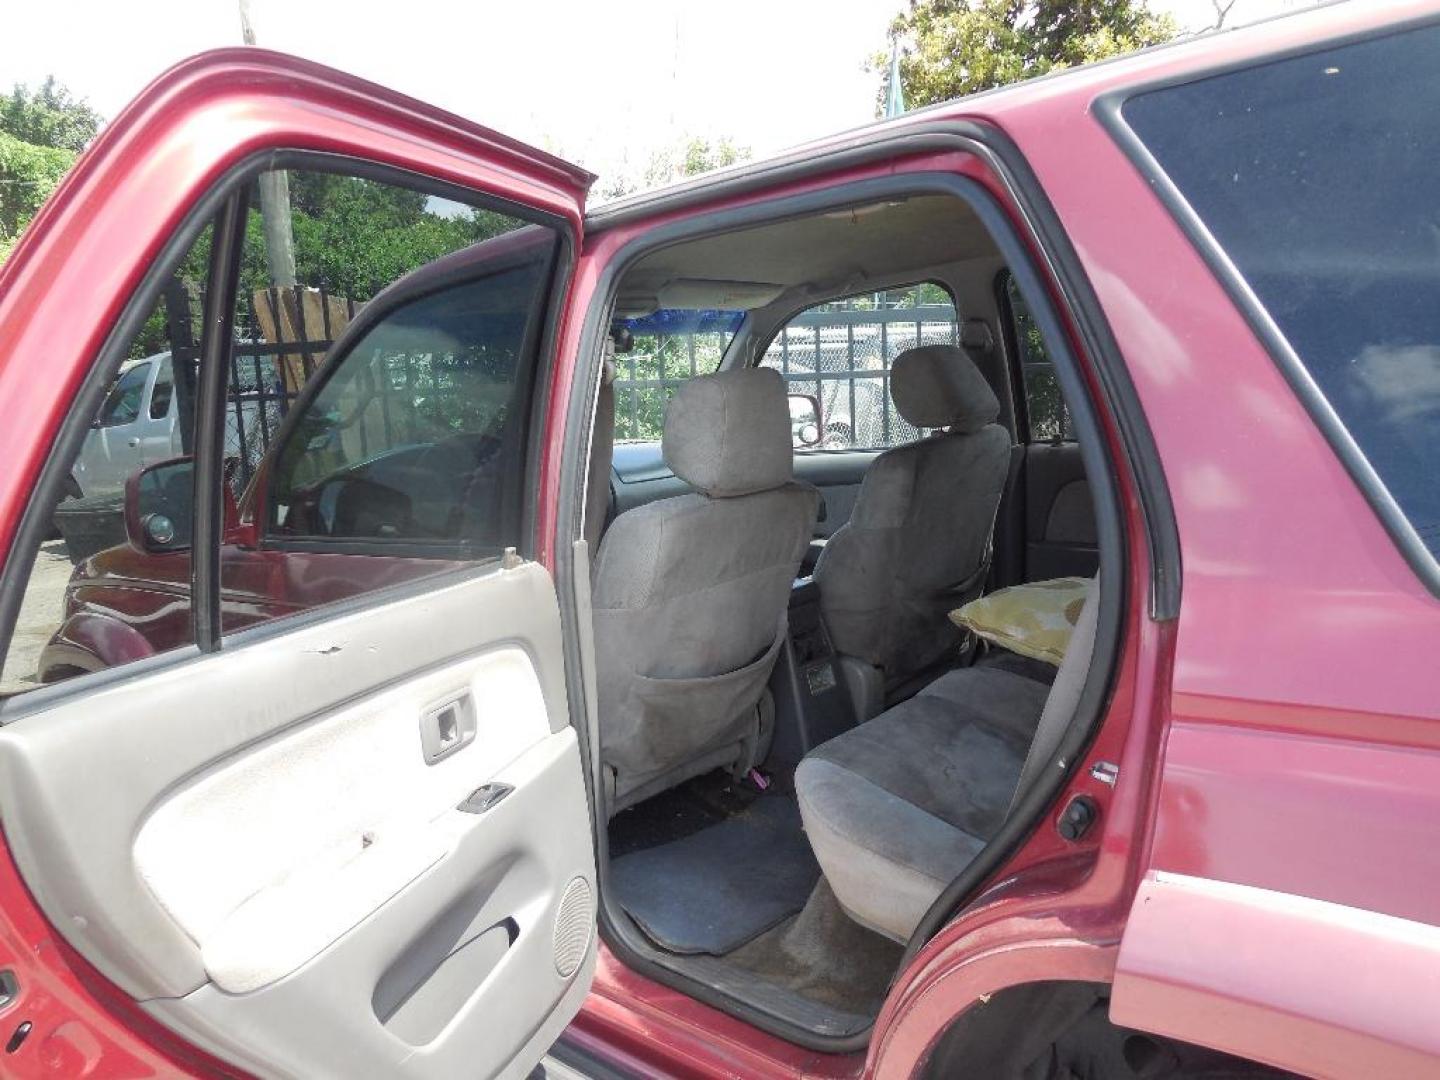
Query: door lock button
point(1077, 818)
point(484, 797)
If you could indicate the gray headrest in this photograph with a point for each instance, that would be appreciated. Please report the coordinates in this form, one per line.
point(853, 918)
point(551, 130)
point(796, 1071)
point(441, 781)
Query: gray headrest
point(938, 386)
point(729, 434)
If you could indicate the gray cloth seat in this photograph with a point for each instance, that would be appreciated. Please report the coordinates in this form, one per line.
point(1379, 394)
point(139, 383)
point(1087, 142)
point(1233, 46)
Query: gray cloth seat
point(917, 543)
point(690, 593)
point(896, 808)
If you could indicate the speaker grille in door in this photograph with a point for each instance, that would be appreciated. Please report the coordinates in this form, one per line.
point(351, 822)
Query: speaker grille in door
point(572, 927)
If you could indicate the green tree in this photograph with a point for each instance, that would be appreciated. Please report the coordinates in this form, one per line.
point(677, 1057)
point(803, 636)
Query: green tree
point(959, 47)
point(352, 236)
point(41, 133)
point(28, 174)
point(49, 116)
point(691, 157)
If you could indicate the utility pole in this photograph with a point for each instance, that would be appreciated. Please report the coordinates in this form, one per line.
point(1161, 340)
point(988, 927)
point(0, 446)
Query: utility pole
point(274, 187)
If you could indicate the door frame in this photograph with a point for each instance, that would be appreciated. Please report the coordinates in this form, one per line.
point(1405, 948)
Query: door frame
point(998, 158)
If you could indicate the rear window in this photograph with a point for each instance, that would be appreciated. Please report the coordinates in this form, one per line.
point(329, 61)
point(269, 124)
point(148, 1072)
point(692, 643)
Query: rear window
point(1319, 177)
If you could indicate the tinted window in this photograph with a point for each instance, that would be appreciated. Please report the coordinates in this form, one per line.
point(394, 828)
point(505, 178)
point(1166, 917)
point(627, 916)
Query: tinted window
point(413, 443)
point(1044, 403)
point(1318, 177)
point(841, 351)
point(164, 391)
point(122, 404)
point(416, 434)
point(81, 596)
point(366, 461)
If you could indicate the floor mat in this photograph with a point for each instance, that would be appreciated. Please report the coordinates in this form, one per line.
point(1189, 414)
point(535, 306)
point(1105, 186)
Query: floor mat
point(701, 803)
point(718, 888)
point(825, 956)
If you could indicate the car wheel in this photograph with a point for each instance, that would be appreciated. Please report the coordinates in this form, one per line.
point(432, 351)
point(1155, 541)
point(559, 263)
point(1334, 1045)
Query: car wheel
point(70, 490)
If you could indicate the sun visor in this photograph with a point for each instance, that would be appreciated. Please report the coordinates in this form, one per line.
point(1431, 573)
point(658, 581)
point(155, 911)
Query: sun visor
point(696, 293)
point(636, 305)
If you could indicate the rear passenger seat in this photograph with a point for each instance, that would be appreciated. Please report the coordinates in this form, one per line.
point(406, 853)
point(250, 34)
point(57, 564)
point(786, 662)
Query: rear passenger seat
point(897, 807)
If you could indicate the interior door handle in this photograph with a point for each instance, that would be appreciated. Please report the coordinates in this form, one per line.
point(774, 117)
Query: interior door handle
point(447, 727)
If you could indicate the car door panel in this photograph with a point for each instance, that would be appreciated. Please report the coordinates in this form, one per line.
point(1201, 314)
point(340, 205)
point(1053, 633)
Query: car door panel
point(249, 841)
point(1061, 540)
point(232, 865)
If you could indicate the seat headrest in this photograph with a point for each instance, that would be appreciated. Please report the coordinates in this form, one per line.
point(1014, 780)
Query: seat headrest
point(938, 386)
point(729, 434)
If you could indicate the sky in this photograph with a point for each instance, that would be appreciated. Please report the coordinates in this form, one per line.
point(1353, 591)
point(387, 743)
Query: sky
point(606, 83)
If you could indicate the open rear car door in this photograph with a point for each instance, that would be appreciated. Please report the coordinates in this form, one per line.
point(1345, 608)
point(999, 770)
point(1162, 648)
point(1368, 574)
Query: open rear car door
point(354, 842)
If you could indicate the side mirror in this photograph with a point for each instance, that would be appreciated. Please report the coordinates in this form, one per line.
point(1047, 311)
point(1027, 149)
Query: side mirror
point(159, 506)
point(805, 426)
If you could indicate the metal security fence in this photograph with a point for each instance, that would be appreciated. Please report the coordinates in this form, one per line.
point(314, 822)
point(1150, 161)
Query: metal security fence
point(281, 338)
point(841, 354)
point(843, 358)
point(649, 374)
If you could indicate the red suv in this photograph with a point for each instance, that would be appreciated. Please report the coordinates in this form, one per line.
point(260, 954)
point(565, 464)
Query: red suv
point(506, 678)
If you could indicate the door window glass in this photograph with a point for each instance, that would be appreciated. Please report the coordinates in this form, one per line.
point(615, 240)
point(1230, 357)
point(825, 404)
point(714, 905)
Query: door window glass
point(841, 351)
point(164, 391)
point(1316, 175)
point(413, 441)
point(373, 440)
point(111, 583)
point(122, 404)
point(1044, 403)
point(407, 455)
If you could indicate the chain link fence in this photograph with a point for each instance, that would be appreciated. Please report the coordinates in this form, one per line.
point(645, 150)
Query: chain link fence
point(840, 353)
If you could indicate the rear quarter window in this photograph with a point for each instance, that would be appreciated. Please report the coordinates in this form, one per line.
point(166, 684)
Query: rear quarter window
point(1318, 176)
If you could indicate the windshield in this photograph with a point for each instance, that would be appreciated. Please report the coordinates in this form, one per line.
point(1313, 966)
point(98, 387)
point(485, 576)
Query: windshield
point(655, 354)
point(122, 404)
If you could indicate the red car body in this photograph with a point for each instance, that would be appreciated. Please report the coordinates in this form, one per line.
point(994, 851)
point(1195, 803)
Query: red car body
point(1269, 886)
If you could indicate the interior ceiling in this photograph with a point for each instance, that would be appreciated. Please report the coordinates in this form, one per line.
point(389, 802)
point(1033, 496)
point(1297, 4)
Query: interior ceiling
point(879, 241)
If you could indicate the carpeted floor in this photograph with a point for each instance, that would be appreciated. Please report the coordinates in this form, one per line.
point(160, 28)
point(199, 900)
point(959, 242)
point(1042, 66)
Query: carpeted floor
point(750, 895)
point(716, 888)
point(824, 955)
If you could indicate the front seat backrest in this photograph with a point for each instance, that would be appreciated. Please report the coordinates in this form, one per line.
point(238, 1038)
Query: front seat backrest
point(690, 593)
point(918, 540)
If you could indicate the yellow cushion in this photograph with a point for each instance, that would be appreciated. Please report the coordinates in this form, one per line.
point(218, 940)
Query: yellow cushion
point(1033, 620)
